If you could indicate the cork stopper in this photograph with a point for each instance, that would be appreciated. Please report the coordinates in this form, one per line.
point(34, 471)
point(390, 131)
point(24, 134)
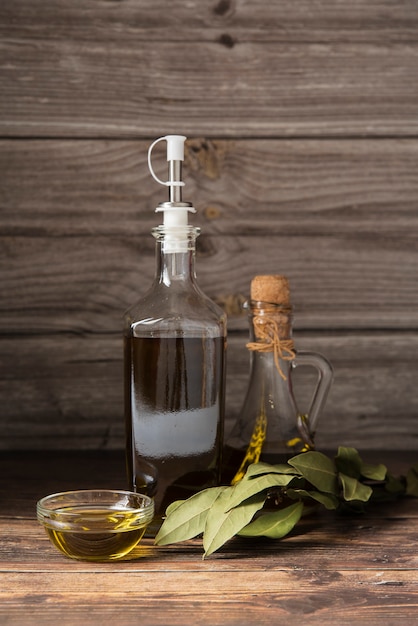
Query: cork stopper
point(272, 288)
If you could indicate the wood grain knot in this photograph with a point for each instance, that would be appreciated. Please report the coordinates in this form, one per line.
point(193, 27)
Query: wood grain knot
point(226, 40)
point(205, 157)
point(212, 212)
point(222, 7)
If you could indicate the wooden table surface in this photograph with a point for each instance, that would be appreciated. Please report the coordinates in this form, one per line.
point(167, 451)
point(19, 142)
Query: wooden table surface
point(331, 570)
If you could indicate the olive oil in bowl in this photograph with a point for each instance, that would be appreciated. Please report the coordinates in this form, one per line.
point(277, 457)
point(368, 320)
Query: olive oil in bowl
point(95, 525)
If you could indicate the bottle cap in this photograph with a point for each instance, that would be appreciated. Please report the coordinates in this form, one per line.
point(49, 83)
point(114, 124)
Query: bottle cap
point(175, 210)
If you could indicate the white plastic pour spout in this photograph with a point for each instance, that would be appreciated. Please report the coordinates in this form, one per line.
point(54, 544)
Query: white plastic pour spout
point(175, 210)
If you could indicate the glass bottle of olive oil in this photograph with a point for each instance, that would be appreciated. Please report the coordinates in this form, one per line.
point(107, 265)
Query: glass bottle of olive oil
point(175, 339)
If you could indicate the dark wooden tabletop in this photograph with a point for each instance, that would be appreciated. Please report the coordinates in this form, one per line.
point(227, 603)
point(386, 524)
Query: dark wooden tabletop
point(332, 569)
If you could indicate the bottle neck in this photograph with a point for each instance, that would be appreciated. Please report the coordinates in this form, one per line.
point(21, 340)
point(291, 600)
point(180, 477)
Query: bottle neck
point(175, 254)
point(271, 336)
point(269, 322)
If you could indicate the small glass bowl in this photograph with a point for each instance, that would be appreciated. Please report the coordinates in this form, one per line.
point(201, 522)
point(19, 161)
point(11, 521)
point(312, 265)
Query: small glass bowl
point(97, 524)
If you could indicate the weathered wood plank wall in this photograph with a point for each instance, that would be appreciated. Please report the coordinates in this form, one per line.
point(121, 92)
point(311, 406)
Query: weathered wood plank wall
point(302, 159)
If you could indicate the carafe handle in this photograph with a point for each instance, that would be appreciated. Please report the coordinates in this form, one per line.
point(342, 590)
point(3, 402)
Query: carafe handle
point(325, 377)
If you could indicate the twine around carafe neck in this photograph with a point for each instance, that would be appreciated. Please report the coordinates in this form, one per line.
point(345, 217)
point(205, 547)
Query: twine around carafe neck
point(267, 330)
point(271, 318)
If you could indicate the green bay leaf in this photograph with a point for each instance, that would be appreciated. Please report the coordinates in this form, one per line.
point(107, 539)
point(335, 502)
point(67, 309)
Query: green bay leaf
point(374, 472)
point(257, 469)
point(276, 524)
point(348, 461)
point(328, 500)
point(173, 506)
point(186, 519)
point(222, 525)
point(354, 489)
point(394, 485)
point(318, 469)
point(412, 481)
point(248, 488)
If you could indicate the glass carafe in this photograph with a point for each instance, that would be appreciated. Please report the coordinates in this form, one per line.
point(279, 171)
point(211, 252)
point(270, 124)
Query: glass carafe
point(270, 427)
